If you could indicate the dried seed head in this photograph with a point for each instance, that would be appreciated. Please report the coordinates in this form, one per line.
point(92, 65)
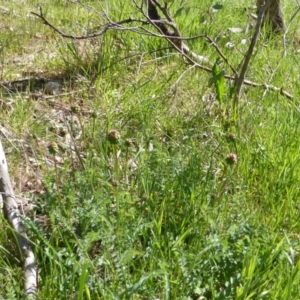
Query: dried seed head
point(145, 197)
point(231, 137)
point(113, 136)
point(52, 148)
point(231, 158)
point(94, 115)
point(75, 109)
point(114, 182)
point(128, 142)
point(110, 166)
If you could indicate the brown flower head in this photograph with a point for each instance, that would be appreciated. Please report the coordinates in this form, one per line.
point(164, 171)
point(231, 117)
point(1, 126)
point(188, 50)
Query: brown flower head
point(232, 159)
point(74, 109)
point(52, 148)
point(128, 142)
point(113, 136)
point(94, 115)
point(231, 137)
point(114, 182)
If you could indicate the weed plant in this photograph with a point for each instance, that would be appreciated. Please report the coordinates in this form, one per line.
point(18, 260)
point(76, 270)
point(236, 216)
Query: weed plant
point(142, 185)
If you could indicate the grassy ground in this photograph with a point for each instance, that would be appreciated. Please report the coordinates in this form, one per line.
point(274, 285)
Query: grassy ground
point(167, 212)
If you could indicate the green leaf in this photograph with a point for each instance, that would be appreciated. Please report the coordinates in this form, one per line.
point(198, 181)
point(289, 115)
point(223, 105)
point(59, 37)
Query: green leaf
point(219, 82)
point(179, 11)
point(217, 7)
point(185, 9)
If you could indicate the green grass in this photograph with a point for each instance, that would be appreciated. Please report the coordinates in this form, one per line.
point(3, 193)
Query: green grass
point(161, 214)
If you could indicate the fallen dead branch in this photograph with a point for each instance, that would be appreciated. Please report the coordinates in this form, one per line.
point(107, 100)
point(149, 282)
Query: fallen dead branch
point(12, 215)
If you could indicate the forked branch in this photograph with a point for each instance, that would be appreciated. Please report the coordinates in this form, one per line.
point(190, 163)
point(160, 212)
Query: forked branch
point(168, 29)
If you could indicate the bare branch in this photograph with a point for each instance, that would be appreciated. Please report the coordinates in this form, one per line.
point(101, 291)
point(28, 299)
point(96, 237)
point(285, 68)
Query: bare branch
point(153, 16)
point(193, 58)
point(168, 30)
point(150, 33)
point(240, 80)
point(115, 26)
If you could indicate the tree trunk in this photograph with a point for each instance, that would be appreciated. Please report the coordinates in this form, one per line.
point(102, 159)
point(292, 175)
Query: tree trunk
point(273, 15)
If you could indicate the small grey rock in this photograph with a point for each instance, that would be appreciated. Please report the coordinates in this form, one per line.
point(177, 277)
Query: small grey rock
point(53, 88)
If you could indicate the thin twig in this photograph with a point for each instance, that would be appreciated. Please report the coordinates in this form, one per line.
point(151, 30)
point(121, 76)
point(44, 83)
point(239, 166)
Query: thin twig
point(241, 78)
point(211, 41)
point(115, 25)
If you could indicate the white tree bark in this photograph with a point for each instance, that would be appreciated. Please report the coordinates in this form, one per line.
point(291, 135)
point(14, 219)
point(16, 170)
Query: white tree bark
point(12, 215)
